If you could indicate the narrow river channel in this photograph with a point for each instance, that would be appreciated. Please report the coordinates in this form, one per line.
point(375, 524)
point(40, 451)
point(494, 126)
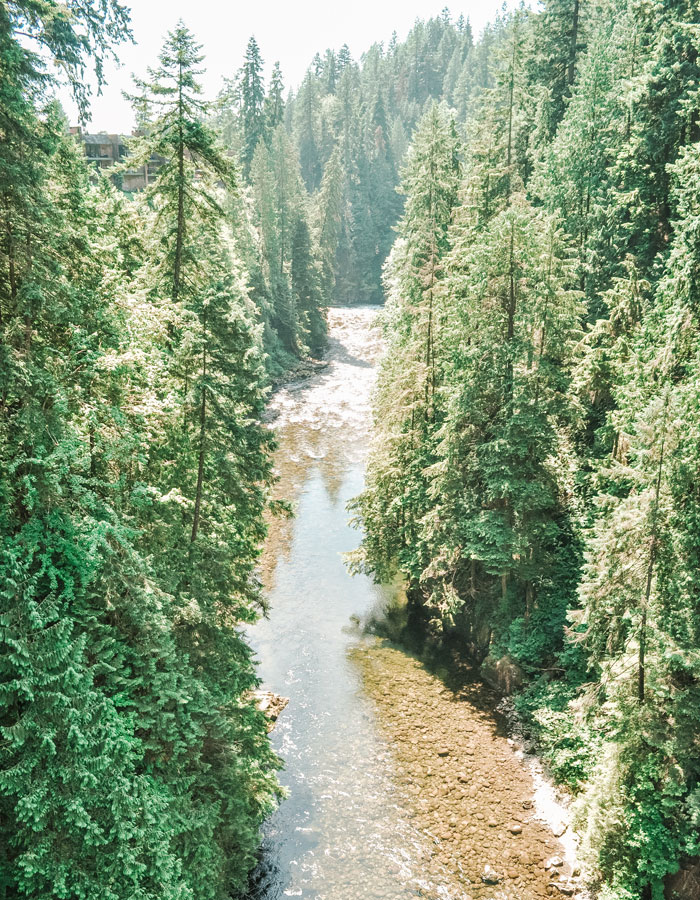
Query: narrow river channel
point(398, 786)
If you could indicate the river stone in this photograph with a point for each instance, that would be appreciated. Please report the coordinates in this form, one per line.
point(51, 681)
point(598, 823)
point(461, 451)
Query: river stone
point(554, 862)
point(504, 674)
point(559, 829)
point(564, 888)
point(516, 829)
point(490, 876)
point(685, 884)
point(443, 751)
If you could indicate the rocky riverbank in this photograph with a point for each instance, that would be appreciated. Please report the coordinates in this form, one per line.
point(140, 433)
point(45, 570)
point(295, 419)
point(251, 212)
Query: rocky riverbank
point(467, 787)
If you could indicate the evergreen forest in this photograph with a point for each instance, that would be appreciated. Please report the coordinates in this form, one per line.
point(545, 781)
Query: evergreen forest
point(525, 203)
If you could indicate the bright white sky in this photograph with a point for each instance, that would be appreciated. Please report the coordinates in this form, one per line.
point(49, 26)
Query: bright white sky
point(290, 31)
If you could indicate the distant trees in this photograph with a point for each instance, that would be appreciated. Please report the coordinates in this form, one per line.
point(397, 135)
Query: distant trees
point(274, 102)
point(288, 257)
point(271, 216)
point(252, 102)
point(357, 118)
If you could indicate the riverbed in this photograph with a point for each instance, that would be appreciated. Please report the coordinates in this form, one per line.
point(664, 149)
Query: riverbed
point(399, 783)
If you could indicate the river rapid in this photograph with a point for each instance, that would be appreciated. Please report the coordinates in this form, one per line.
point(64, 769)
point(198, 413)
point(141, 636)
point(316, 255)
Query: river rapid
point(400, 783)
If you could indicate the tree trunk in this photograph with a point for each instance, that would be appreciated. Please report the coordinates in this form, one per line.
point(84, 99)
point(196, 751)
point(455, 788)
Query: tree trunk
point(511, 94)
point(202, 435)
point(573, 46)
point(180, 233)
point(11, 262)
point(510, 320)
point(429, 350)
point(653, 547)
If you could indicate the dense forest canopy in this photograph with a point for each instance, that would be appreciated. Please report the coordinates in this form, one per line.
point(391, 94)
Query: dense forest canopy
point(534, 468)
point(526, 201)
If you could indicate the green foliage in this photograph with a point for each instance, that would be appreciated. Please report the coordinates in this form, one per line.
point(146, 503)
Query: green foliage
point(287, 260)
point(533, 474)
point(408, 389)
point(184, 193)
point(549, 713)
point(350, 123)
point(75, 36)
point(133, 478)
point(289, 287)
point(252, 101)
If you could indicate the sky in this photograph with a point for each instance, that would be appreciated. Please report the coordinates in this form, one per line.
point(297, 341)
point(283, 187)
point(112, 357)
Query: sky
point(290, 31)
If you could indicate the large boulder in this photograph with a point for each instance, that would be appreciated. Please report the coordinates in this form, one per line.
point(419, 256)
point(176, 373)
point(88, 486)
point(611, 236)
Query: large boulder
point(270, 704)
point(685, 884)
point(503, 674)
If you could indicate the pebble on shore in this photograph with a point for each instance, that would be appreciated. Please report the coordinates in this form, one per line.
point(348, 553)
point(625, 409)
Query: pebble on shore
point(463, 782)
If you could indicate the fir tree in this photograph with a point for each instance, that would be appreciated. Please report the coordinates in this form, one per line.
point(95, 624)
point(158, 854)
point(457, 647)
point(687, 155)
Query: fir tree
point(252, 100)
point(187, 146)
point(274, 102)
point(561, 38)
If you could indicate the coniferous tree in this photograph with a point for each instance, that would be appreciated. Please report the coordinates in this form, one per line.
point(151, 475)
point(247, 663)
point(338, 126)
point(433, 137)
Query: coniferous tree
point(510, 286)
point(561, 39)
point(252, 102)
point(328, 216)
point(464, 499)
point(407, 398)
point(78, 808)
point(307, 128)
point(274, 102)
point(187, 146)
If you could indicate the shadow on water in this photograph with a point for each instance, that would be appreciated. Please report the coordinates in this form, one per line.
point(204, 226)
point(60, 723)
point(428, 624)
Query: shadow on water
point(401, 626)
point(341, 355)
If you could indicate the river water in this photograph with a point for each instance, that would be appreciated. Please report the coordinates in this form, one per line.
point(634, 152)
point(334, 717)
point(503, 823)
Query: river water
point(377, 795)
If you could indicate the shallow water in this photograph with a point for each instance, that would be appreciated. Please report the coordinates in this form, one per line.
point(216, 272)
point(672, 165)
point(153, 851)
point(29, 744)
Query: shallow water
point(365, 816)
point(341, 833)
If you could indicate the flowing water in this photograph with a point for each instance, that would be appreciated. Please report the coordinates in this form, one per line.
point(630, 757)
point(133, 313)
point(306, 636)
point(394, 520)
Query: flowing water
point(375, 805)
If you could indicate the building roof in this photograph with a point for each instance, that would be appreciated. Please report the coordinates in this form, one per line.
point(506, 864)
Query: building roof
point(102, 138)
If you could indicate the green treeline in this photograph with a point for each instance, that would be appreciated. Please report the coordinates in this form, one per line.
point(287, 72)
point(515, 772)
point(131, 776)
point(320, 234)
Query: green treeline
point(133, 478)
point(535, 469)
point(534, 473)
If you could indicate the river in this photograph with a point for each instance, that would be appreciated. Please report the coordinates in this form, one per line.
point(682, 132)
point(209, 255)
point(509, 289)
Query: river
point(398, 785)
